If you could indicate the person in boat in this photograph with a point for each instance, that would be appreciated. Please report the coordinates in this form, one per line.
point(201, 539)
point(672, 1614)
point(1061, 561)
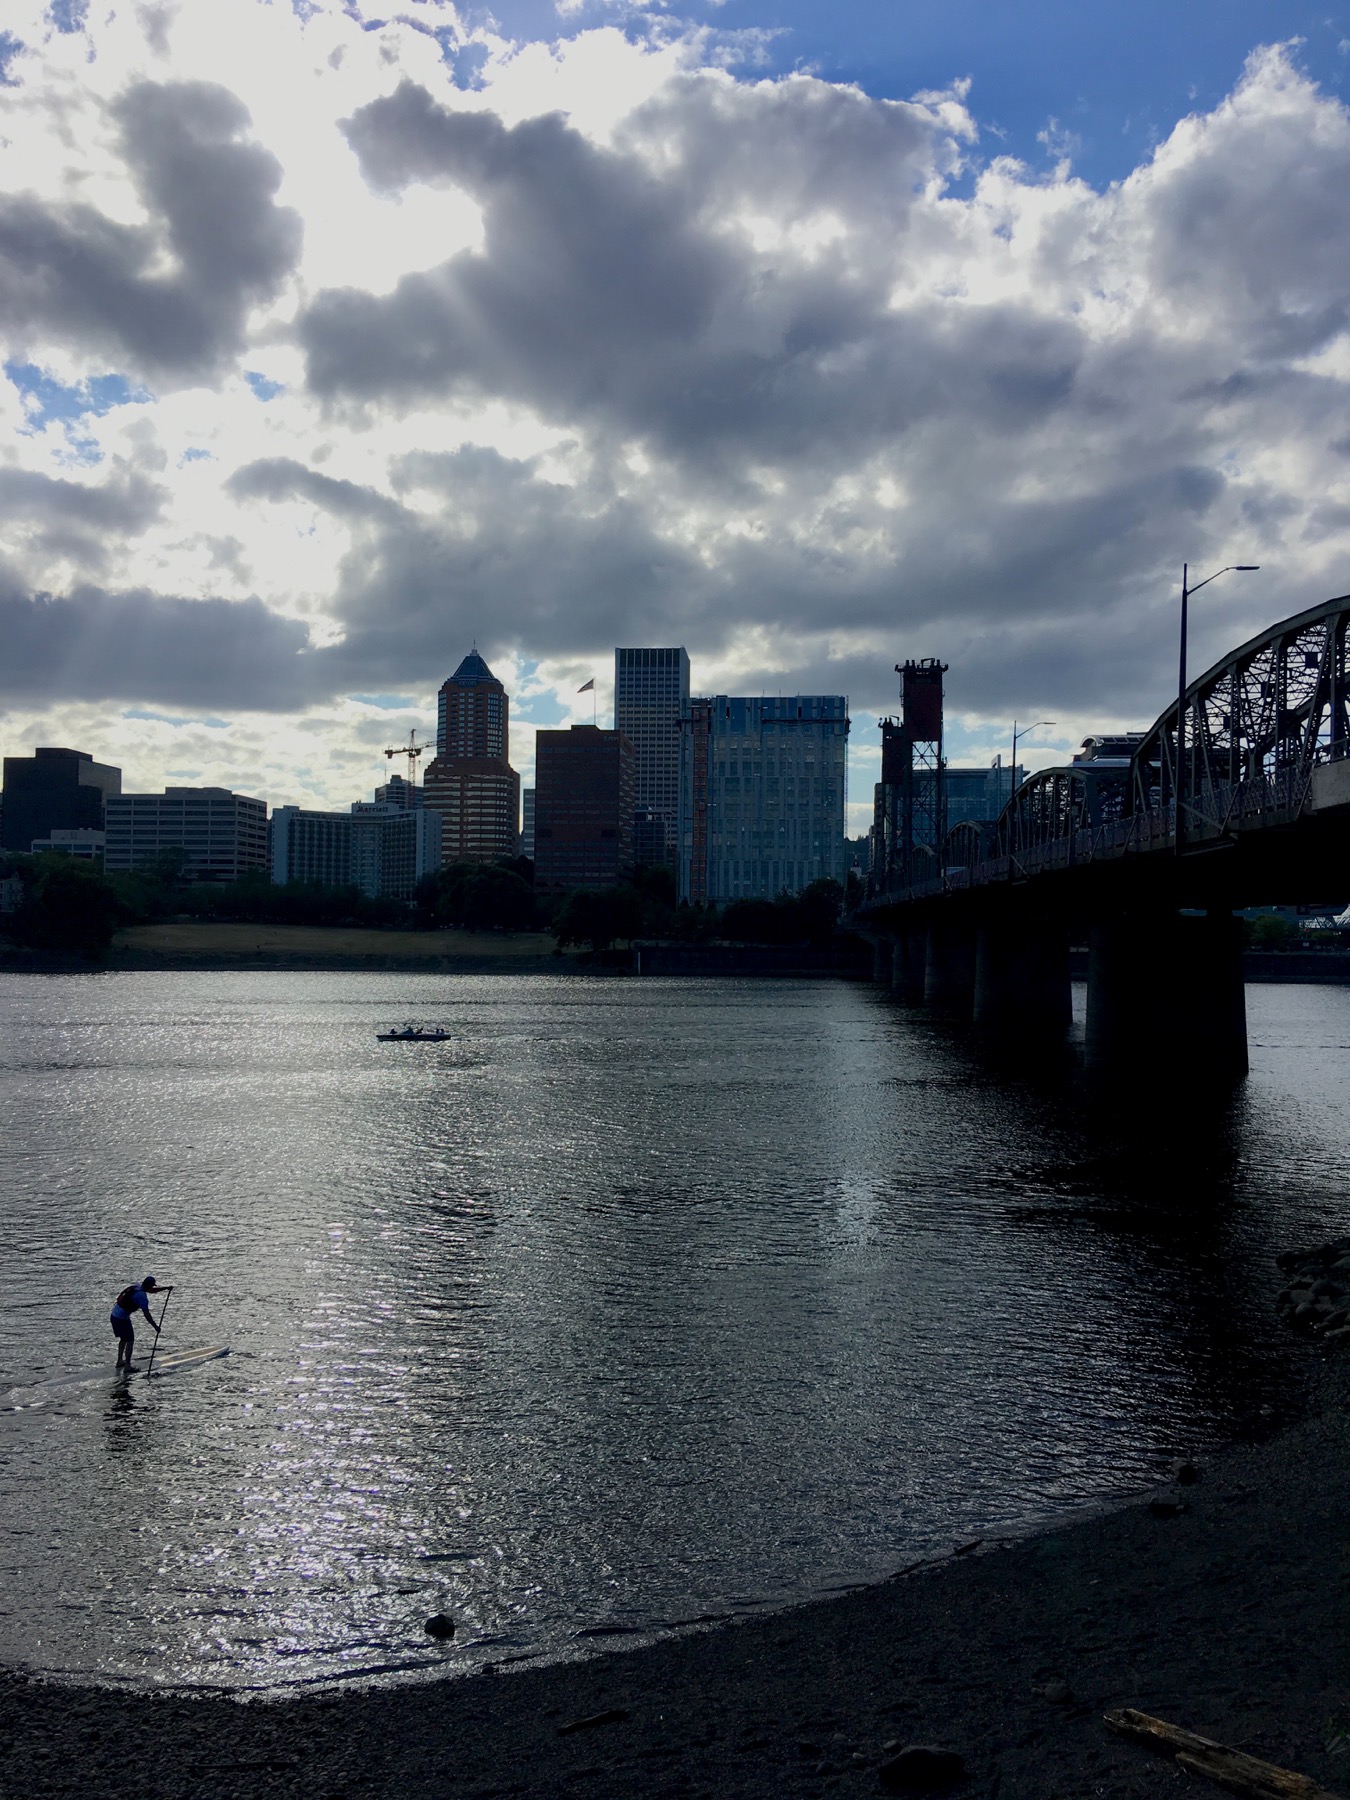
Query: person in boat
point(133, 1299)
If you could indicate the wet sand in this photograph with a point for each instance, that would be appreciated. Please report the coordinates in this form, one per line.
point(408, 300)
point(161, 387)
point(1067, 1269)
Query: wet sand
point(1229, 1618)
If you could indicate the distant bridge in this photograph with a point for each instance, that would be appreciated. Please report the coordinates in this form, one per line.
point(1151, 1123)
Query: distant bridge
point(1261, 791)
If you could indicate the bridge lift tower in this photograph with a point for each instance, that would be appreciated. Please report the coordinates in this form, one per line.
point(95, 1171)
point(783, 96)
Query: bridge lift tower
point(910, 818)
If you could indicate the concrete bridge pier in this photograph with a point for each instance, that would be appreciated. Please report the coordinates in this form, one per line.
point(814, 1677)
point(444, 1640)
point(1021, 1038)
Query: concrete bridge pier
point(909, 956)
point(1163, 987)
point(882, 949)
point(1022, 976)
point(949, 966)
point(1213, 996)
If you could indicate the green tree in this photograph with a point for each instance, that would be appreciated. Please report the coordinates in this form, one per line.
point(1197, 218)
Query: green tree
point(1268, 931)
point(476, 897)
point(756, 922)
point(597, 916)
point(67, 906)
point(818, 908)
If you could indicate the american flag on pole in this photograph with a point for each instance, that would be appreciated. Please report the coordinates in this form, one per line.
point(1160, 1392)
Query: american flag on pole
point(587, 686)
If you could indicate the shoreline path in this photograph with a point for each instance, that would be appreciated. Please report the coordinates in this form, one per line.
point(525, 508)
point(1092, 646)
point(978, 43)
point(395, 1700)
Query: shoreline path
point(1229, 1619)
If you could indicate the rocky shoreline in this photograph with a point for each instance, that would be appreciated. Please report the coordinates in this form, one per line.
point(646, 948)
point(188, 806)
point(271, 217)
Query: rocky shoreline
point(1217, 1603)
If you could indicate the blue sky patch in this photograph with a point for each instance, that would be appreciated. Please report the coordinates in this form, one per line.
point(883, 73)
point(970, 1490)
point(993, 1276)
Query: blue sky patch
point(1114, 76)
point(68, 15)
point(195, 454)
point(10, 47)
point(48, 401)
point(159, 718)
point(262, 387)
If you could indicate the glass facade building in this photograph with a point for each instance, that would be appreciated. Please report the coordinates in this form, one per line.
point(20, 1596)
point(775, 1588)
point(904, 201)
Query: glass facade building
point(651, 696)
point(763, 790)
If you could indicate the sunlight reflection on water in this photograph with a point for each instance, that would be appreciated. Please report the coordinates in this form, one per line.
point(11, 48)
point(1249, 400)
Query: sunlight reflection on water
point(631, 1303)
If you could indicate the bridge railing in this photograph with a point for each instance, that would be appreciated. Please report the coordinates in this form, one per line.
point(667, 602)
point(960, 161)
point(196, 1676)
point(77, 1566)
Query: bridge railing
point(1215, 812)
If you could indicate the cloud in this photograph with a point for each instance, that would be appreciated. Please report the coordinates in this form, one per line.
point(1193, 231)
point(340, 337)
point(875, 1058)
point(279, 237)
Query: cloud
point(168, 297)
point(619, 348)
point(204, 654)
point(47, 520)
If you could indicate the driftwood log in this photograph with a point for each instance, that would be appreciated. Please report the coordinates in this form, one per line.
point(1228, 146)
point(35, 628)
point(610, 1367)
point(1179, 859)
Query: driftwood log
point(1231, 1769)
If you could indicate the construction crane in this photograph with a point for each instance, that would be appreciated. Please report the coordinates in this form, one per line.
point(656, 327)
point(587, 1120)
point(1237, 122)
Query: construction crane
point(412, 750)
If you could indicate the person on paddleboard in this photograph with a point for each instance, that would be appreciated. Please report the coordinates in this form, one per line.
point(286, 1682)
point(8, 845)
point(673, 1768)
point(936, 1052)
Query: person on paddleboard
point(133, 1299)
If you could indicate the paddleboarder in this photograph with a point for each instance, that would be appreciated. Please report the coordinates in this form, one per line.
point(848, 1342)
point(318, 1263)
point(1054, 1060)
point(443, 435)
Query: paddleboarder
point(135, 1298)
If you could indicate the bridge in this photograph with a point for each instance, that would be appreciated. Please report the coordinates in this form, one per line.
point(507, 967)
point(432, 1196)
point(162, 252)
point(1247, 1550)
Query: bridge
point(1237, 796)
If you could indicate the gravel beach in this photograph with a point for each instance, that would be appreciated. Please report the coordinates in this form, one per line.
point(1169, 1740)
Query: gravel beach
point(1229, 1618)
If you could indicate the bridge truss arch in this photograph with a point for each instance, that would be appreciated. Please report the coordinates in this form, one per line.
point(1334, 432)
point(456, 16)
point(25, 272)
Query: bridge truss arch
point(1262, 727)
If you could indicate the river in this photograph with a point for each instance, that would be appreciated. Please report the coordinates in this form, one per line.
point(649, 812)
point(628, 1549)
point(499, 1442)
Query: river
point(632, 1303)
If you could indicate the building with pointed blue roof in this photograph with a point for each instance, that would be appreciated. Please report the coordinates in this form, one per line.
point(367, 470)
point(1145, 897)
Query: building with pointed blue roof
point(471, 783)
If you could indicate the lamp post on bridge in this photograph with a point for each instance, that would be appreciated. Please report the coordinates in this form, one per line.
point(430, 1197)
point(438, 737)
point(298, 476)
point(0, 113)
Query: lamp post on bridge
point(1187, 590)
point(1026, 731)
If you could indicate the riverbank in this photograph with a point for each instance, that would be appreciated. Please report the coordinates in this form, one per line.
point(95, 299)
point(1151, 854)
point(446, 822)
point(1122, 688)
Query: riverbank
point(1227, 1617)
point(206, 944)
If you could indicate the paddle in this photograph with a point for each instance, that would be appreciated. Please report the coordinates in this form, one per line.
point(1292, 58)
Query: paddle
point(155, 1346)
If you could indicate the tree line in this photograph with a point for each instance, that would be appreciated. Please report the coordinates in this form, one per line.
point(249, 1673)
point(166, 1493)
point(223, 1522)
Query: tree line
point(71, 906)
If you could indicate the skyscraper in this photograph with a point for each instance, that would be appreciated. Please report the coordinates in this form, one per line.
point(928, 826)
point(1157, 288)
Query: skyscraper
point(471, 713)
point(762, 796)
point(583, 808)
point(471, 783)
point(651, 695)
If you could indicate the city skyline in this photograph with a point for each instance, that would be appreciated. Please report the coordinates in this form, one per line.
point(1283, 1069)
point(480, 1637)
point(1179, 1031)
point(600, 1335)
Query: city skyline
point(874, 364)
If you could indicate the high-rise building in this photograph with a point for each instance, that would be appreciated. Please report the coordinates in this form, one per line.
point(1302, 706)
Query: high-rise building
point(471, 783)
point(399, 793)
point(311, 846)
point(527, 823)
point(977, 794)
point(393, 847)
point(585, 783)
point(651, 696)
point(223, 835)
point(762, 796)
point(472, 713)
point(53, 790)
point(384, 850)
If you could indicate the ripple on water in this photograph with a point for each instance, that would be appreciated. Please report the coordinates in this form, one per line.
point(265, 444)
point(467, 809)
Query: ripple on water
point(633, 1304)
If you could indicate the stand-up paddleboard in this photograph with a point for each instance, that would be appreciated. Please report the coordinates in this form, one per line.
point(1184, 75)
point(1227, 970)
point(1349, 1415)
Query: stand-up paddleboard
point(23, 1399)
point(178, 1360)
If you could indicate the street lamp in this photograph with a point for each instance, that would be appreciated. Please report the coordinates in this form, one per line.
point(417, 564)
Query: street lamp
point(1026, 731)
point(1186, 592)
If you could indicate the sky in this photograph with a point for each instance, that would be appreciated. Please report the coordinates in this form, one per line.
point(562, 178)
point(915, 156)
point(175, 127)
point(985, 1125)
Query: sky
point(337, 341)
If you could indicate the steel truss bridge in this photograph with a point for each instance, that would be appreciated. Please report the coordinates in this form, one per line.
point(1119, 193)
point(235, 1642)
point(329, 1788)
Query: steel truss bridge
point(1261, 788)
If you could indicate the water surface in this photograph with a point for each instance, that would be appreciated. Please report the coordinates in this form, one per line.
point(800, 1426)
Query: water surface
point(637, 1301)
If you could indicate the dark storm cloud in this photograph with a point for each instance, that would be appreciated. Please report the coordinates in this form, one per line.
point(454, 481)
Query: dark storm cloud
point(610, 289)
point(43, 517)
point(96, 645)
point(282, 478)
point(125, 504)
point(497, 554)
point(592, 267)
point(475, 545)
point(72, 275)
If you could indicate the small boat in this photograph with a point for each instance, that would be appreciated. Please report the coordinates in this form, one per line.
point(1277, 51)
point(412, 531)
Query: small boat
point(414, 1034)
